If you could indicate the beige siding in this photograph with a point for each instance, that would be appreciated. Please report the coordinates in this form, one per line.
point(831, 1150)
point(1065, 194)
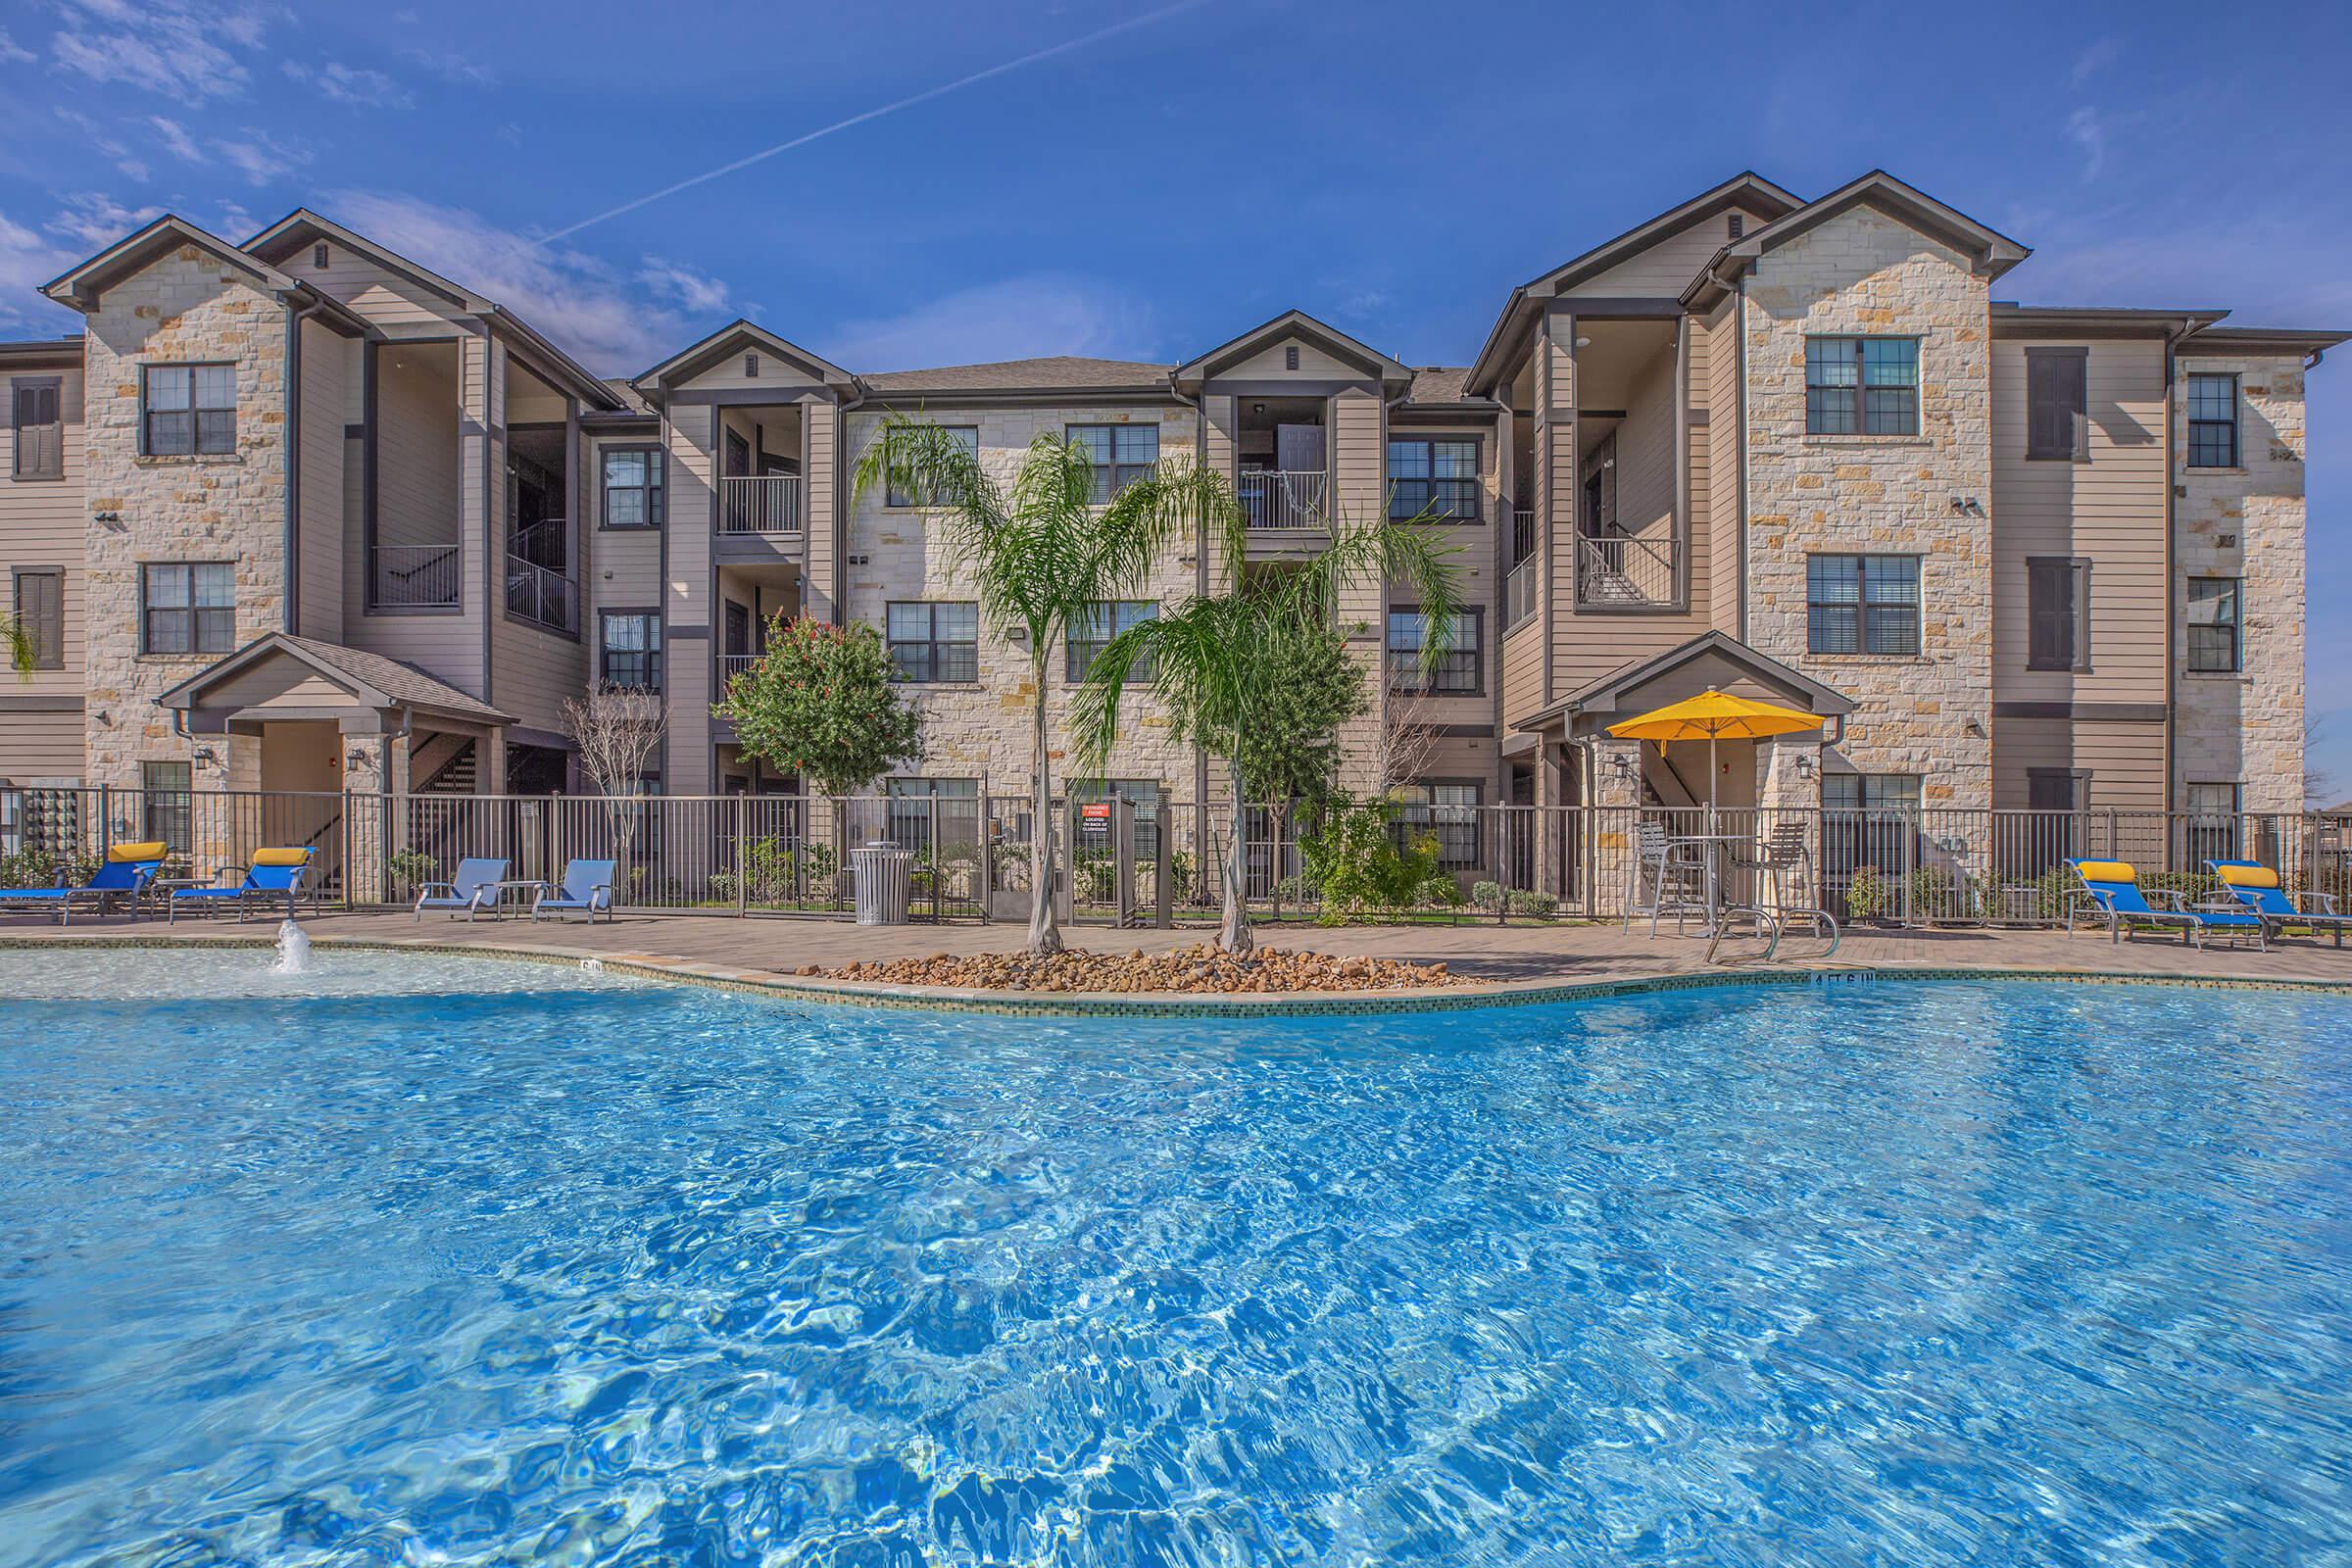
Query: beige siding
point(686, 601)
point(400, 306)
point(1522, 673)
point(1668, 266)
point(1360, 473)
point(2109, 508)
point(775, 372)
point(418, 501)
point(327, 357)
point(2125, 761)
point(40, 745)
point(1314, 364)
point(825, 483)
point(41, 524)
point(1722, 518)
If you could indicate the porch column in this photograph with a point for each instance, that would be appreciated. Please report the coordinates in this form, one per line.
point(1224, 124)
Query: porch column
point(1616, 794)
point(1792, 789)
point(365, 778)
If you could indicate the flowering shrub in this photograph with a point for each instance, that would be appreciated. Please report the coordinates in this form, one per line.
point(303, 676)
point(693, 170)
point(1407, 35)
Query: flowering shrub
point(821, 704)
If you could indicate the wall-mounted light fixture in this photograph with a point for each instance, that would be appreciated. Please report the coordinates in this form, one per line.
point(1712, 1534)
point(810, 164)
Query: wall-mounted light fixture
point(1804, 765)
point(357, 756)
point(206, 756)
point(1621, 767)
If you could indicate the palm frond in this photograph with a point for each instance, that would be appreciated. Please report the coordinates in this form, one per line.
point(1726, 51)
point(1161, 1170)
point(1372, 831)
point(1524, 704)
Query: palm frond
point(23, 656)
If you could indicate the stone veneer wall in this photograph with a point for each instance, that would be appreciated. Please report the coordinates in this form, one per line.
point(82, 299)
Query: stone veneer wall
point(2246, 728)
point(186, 308)
point(983, 730)
point(1863, 273)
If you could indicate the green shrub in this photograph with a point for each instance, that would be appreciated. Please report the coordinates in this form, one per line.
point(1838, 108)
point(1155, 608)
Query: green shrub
point(411, 869)
point(1873, 895)
point(1441, 892)
point(1488, 896)
point(1355, 861)
point(1541, 905)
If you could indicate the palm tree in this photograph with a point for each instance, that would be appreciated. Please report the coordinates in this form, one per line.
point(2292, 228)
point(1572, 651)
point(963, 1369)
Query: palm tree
point(1219, 660)
point(1038, 556)
point(23, 656)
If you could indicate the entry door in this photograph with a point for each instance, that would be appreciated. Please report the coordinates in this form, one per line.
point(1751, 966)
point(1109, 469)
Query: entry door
point(738, 629)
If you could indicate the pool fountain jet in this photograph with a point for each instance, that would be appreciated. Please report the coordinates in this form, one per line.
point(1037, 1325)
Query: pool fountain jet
point(293, 949)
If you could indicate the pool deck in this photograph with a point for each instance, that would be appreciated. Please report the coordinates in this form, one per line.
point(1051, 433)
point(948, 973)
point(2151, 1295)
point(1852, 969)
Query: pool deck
point(1507, 963)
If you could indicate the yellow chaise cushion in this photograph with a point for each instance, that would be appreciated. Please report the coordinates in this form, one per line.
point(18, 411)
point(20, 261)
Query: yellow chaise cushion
point(2248, 876)
point(2108, 871)
point(154, 849)
point(280, 856)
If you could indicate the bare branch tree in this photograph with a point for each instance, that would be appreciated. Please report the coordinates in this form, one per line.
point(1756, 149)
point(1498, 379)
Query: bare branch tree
point(618, 731)
point(1406, 745)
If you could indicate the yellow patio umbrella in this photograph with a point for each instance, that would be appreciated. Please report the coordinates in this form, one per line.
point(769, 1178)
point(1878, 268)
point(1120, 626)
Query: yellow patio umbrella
point(1710, 716)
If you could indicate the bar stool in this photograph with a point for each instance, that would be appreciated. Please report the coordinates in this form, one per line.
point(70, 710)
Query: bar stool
point(1677, 879)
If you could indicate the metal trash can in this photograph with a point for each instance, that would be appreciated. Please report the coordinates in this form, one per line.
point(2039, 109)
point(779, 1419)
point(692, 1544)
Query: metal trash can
point(880, 876)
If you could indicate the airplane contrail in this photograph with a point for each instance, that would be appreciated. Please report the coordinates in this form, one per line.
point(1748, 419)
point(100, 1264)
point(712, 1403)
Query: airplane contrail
point(923, 97)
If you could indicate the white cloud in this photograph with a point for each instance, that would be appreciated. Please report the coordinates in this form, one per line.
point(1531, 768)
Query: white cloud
point(692, 291)
point(95, 220)
point(463, 69)
point(176, 139)
point(2101, 54)
point(130, 163)
point(184, 48)
point(611, 323)
point(1018, 318)
point(2087, 130)
point(12, 53)
point(27, 262)
point(259, 156)
point(351, 85)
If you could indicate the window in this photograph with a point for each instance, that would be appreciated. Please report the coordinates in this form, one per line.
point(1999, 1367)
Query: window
point(2212, 422)
point(1862, 386)
point(967, 436)
point(189, 608)
point(1459, 668)
point(1448, 811)
point(910, 809)
point(632, 650)
point(163, 804)
point(40, 432)
point(1439, 477)
point(2058, 789)
point(2057, 404)
point(2213, 642)
point(1091, 632)
point(2213, 822)
point(1862, 604)
point(633, 487)
point(187, 408)
point(1122, 454)
point(1870, 792)
point(2057, 612)
point(40, 610)
point(931, 642)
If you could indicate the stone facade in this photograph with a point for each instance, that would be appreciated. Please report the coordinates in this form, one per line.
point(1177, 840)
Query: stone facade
point(1863, 273)
point(983, 730)
point(2245, 522)
point(187, 307)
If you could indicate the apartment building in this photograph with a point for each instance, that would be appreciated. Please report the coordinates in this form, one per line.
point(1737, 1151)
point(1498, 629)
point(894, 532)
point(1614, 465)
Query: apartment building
point(298, 514)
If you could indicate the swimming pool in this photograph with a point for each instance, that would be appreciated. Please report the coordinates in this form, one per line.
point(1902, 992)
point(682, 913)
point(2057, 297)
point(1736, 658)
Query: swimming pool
point(457, 1262)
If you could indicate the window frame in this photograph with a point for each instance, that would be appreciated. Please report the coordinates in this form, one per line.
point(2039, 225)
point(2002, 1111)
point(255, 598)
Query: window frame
point(195, 411)
point(1862, 604)
point(2076, 448)
point(2234, 425)
point(2236, 626)
point(654, 655)
point(1430, 442)
point(895, 500)
point(1073, 671)
point(2040, 568)
point(50, 466)
point(1404, 677)
point(656, 489)
point(193, 609)
point(1423, 813)
point(49, 654)
point(166, 810)
point(1861, 386)
point(934, 647)
point(1108, 483)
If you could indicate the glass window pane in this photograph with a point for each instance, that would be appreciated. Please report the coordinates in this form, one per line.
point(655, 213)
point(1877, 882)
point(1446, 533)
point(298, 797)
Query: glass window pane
point(1455, 459)
point(216, 584)
point(1409, 460)
point(167, 388)
point(216, 386)
point(167, 586)
point(958, 623)
point(1138, 442)
point(624, 469)
point(1890, 361)
point(1097, 440)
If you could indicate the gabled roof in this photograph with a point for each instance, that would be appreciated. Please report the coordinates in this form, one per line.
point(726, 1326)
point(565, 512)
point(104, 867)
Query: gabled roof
point(42, 351)
point(1053, 372)
point(374, 680)
point(734, 338)
point(1299, 325)
point(1441, 385)
point(1988, 250)
point(302, 226)
point(79, 288)
point(1748, 191)
point(2262, 340)
point(1602, 695)
point(2012, 320)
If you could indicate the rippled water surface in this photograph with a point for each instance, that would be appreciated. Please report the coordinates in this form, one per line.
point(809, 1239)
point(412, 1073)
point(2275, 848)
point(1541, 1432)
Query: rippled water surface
point(450, 1262)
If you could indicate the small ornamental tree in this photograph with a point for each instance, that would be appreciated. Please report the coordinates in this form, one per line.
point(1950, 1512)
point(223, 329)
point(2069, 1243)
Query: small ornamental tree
point(820, 702)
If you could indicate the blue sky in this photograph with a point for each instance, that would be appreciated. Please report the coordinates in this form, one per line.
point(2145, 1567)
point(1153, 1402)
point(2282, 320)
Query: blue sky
point(1158, 178)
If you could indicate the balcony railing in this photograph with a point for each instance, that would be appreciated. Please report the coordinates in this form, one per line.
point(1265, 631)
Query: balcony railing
point(1278, 498)
point(1519, 588)
point(731, 665)
point(1624, 569)
point(537, 594)
point(759, 504)
point(413, 576)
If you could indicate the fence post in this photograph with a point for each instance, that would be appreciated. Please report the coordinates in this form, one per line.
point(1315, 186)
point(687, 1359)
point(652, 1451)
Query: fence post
point(1163, 893)
point(743, 857)
point(105, 821)
point(931, 852)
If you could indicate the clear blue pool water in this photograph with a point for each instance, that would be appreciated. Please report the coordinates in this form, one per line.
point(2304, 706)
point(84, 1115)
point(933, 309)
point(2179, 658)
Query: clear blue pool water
point(553, 1270)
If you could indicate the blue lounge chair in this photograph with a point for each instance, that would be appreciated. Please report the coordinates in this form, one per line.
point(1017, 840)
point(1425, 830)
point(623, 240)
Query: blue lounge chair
point(125, 876)
point(2256, 886)
point(473, 890)
point(587, 889)
point(274, 874)
point(2113, 888)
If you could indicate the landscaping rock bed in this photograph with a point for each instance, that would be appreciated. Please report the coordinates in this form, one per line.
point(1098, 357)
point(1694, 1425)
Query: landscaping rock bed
point(1195, 969)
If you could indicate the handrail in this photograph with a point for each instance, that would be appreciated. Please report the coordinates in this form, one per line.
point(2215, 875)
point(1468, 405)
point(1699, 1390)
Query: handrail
point(537, 594)
point(767, 503)
point(1624, 569)
point(398, 569)
point(1283, 498)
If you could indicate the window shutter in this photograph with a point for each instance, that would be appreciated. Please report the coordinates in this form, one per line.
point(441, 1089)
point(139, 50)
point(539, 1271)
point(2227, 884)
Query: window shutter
point(2055, 404)
point(36, 413)
point(2074, 403)
point(2050, 614)
point(42, 612)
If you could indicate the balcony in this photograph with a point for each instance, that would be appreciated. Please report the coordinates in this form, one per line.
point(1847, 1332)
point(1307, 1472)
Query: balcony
point(1281, 498)
point(1625, 569)
point(413, 577)
point(731, 665)
point(1519, 588)
point(537, 594)
point(759, 504)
